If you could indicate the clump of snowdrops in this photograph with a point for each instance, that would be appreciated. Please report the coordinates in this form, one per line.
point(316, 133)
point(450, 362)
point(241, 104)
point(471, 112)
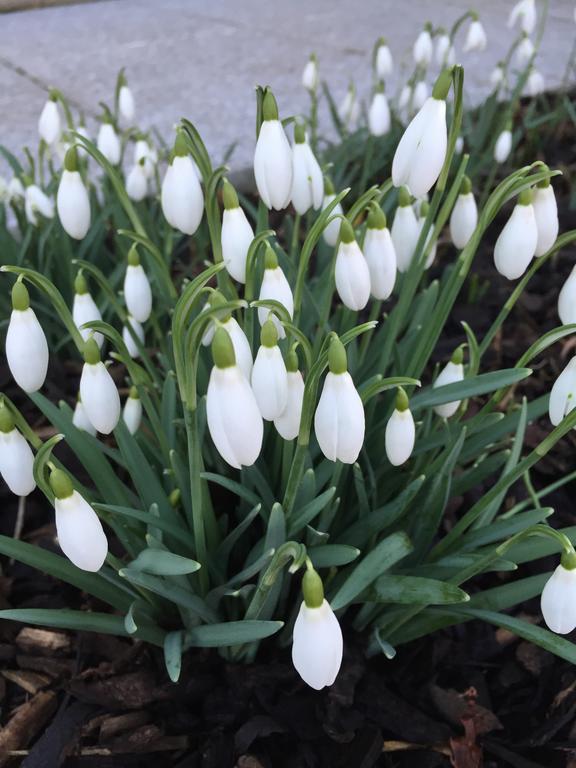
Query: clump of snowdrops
point(283, 455)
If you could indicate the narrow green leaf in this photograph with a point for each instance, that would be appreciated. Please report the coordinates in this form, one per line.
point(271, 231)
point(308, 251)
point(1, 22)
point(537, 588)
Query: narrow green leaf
point(173, 654)
point(471, 387)
point(230, 633)
point(413, 589)
point(160, 563)
point(332, 555)
point(310, 511)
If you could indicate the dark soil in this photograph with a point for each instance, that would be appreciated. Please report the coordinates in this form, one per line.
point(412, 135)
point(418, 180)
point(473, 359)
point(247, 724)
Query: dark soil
point(469, 696)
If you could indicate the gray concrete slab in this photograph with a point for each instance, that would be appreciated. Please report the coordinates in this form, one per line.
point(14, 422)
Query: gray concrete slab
point(202, 58)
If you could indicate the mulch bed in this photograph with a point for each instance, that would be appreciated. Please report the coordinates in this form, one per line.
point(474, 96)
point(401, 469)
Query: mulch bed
point(469, 696)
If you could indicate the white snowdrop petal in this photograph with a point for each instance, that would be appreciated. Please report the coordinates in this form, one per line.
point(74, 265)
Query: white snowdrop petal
point(242, 350)
point(49, 123)
point(126, 103)
point(137, 183)
point(137, 293)
point(546, 214)
point(26, 350)
point(288, 423)
point(405, 232)
point(384, 62)
point(423, 48)
point(16, 463)
point(339, 419)
point(400, 436)
point(73, 205)
point(84, 310)
point(317, 645)
point(332, 231)
point(81, 420)
point(558, 601)
point(108, 143)
point(234, 420)
point(182, 197)
point(270, 382)
point(563, 394)
point(503, 146)
point(380, 256)
point(275, 287)
point(567, 300)
point(129, 340)
point(237, 234)
point(132, 414)
point(463, 220)
point(450, 374)
point(516, 244)
point(352, 276)
point(307, 180)
point(80, 533)
point(273, 165)
point(100, 397)
point(379, 120)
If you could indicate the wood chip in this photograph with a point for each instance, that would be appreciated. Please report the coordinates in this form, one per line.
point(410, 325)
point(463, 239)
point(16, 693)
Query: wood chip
point(31, 682)
point(112, 726)
point(26, 723)
point(44, 642)
point(53, 667)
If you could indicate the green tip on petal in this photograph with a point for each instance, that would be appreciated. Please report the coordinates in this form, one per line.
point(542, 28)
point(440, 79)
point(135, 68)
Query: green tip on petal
point(292, 360)
point(71, 159)
point(545, 182)
point(312, 588)
point(328, 186)
point(223, 349)
point(346, 232)
point(404, 197)
point(20, 296)
point(61, 484)
point(6, 419)
point(218, 300)
point(525, 197)
point(175, 497)
point(91, 352)
point(442, 85)
point(269, 106)
point(337, 360)
point(133, 258)
point(180, 145)
point(270, 258)
point(80, 284)
point(466, 186)
point(376, 218)
point(568, 560)
point(458, 356)
point(229, 196)
point(269, 334)
point(402, 401)
point(299, 134)
point(424, 208)
point(133, 394)
point(474, 15)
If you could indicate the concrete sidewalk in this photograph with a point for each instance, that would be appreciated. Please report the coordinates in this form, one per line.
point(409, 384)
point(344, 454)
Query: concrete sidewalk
point(202, 58)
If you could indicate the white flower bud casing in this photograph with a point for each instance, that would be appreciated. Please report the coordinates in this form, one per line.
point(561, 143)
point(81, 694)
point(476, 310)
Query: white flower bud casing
point(567, 300)
point(132, 412)
point(450, 374)
point(26, 345)
point(129, 340)
point(307, 181)
point(182, 198)
point(516, 244)
point(379, 115)
point(81, 420)
point(236, 235)
point(423, 49)
point(563, 394)
point(475, 37)
point(288, 423)
point(503, 146)
point(546, 213)
point(351, 271)
point(400, 432)
point(464, 217)
point(332, 230)
point(108, 143)
point(126, 103)
point(269, 376)
point(16, 457)
point(558, 601)
point(380, 255)
point(137, 183)
point(98, 392)
point(275, 287)
point(72, 201)
point(50, 123)
point(84, 310)
point(273, 159)
point(37, 202)
point(405, 232)
point(137, 291)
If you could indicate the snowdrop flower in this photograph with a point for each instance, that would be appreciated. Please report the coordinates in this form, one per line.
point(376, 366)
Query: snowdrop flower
point(497, 76)
point(339, 419)
point(146, 156)
point(516, 244)
point(420, 155)
point(182, 198)
point(423, 48)
point(475, 37)
point(379, 113)
point(137, 182)
point(352, 273)
point(567, 300)
point(233, 416)
point(50, 123)
point(288, 423)
point(310, 74)
point(524, 12)
point(72, 201)
point(349, 109)
point(464, 217)
point(126, 104)
point(400, 431)
point(137, 291)
point(274, 287)
point(16, 457)
point(236, 236)
point(450, 374)
point(380, 254)
point(98, 392)
point(80, 419)
point(332, 230)
point(269, 376)
point(80, 533)
point(424, 209)
point(405, 231)
point(317, 638)
point(26, 345)
point(558, 601)
point(128, 338)
point(132, 412)
point(503, 146)
point(535, 83)
point(16, 190)
point(563, 394)
point(546, 213)
point(37, 202)
point(273, 158)
point(420, 94)
point(524, 51)
point(307, 181)
point(84, 310)
point(459, 146)
point(242, 351)
point(382, 61)
point(442, 47)
point(405, 98)
point(108, 142)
